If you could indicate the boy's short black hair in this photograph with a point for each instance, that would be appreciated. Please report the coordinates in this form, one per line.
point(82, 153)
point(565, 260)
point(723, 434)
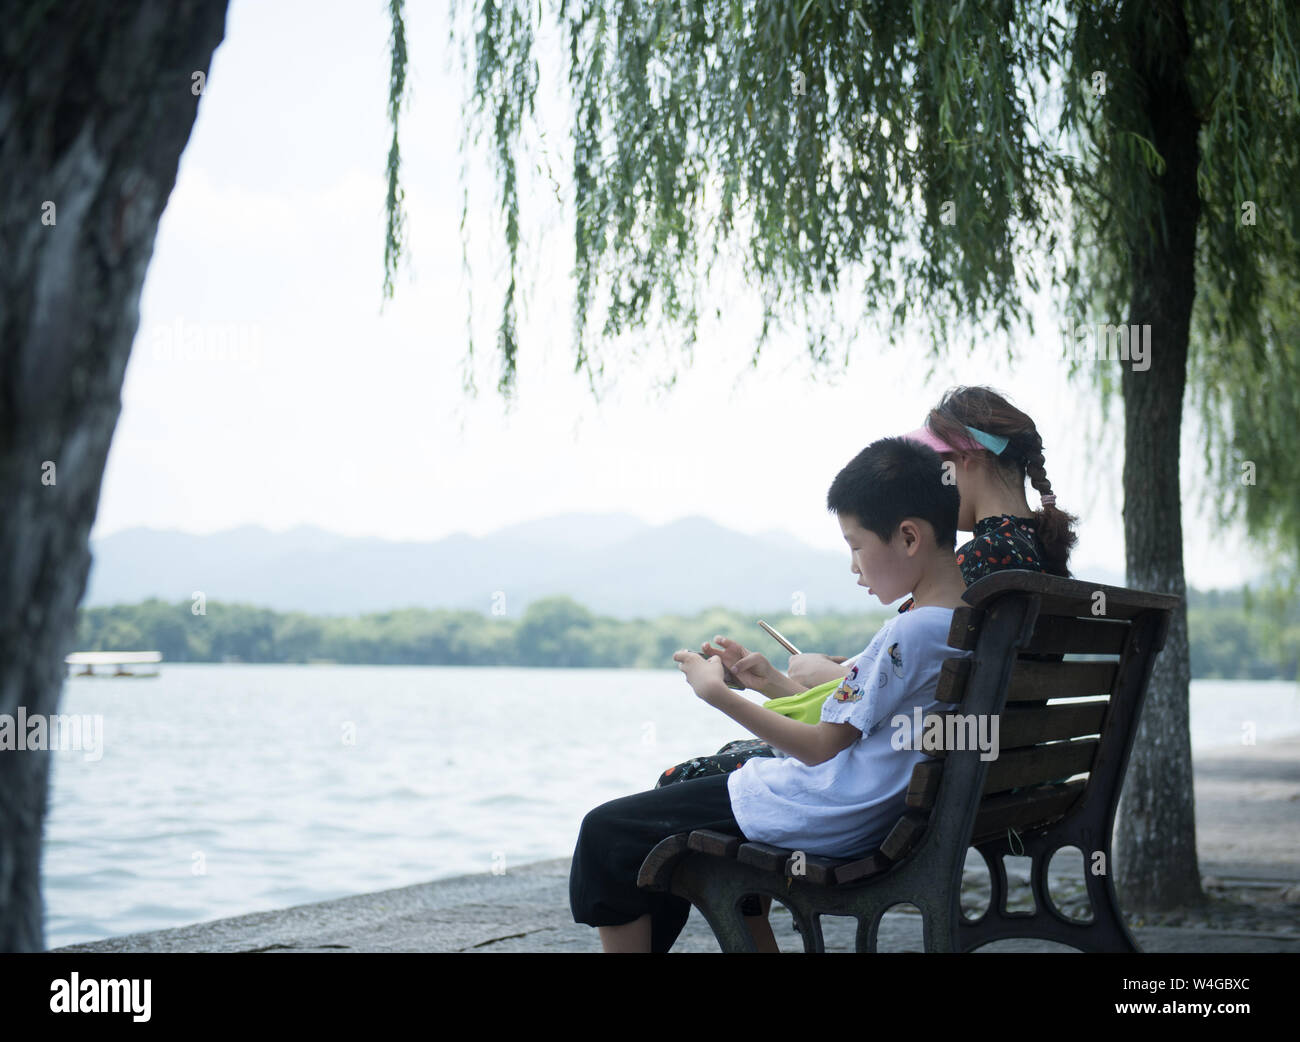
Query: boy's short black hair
point(892, 479)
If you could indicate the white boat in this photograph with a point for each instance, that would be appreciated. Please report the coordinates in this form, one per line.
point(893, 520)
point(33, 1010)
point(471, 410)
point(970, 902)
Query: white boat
point(119, 659)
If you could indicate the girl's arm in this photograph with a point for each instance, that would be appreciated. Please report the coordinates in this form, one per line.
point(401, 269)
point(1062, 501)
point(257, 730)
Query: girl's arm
point(812, 669)
point(809, 743)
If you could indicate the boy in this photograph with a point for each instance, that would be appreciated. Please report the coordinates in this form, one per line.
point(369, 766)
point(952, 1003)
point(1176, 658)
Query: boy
point(841, 785)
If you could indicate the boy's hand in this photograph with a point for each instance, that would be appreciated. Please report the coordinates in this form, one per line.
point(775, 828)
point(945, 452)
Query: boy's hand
point(703, 674)
point(729, 678)
point(751, 668)
point(728, 650)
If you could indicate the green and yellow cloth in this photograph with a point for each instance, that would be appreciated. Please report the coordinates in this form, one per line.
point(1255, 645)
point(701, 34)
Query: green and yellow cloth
point(806, 706)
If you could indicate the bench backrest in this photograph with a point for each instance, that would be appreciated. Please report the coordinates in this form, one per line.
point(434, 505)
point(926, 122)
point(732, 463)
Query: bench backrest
point(1089, 649)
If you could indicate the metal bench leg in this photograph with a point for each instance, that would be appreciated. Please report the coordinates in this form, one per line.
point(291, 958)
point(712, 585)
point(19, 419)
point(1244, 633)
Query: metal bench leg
point(809, 925)
point(1107, 920)
point(713, 887)
point(938, 927)
point(868, 930)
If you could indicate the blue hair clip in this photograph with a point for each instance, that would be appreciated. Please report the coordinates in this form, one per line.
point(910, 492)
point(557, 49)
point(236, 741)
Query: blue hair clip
point(992, 442)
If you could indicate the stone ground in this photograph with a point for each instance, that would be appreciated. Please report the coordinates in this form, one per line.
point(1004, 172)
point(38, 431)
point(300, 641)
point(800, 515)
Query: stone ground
point(1248, 841)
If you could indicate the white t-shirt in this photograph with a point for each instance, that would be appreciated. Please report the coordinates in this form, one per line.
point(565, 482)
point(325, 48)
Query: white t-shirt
point(847, 804)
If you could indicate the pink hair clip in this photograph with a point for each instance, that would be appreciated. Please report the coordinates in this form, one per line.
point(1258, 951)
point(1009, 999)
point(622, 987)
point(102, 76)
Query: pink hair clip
point(1049, 500)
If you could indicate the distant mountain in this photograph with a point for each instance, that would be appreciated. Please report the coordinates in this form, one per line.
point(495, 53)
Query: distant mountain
point(615, 564)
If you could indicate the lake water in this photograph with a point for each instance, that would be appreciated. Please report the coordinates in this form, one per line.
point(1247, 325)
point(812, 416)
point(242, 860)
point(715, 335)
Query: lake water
point(225, 789)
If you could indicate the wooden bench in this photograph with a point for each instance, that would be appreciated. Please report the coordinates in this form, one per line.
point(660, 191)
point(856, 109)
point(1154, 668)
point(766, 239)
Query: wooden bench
point(1019, 627)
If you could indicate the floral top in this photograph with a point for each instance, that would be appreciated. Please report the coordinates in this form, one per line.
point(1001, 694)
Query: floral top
point(997, 542)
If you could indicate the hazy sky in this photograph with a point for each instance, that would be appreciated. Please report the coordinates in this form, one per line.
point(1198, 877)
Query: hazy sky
point(333, 414)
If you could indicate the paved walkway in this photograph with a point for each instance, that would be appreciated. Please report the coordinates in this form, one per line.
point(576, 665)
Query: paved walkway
point(1248, 839)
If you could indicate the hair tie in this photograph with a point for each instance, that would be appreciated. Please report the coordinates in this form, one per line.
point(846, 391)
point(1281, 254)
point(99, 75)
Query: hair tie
point(995, 443)
point(1049, 500)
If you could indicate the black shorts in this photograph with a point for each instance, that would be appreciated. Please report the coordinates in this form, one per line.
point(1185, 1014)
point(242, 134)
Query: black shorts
point(616, 837)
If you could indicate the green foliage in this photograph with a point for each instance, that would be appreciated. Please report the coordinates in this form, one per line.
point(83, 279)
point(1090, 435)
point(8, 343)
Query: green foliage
point(396, 90)
point(555, 632)
point(825, 134)
point(1231, 635)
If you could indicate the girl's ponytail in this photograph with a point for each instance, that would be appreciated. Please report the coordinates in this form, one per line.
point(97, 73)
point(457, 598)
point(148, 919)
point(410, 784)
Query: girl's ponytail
point(1055, 527)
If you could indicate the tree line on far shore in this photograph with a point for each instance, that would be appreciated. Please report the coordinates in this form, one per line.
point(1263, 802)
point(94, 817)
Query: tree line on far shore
point(1232, 636)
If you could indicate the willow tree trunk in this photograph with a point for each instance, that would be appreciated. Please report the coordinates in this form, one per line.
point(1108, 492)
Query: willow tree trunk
point(97, 101)
point(1156, 866)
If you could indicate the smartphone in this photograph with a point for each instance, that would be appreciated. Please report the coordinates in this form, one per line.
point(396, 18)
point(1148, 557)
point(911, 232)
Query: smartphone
point(778, 638)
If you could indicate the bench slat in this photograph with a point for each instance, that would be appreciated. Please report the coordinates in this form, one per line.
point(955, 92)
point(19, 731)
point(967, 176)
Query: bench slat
point(1039, 764)
point(1059, 596)
point(923, 788)
point(1053, 634)
point(862, 868)
point(1056, 634)
point(719, 844)
point(1025, 811)
point(953, 675)
point(1033, 681)
point(1017, 768)
point(1017, 728)
point(903, 836)
point(821, 870)
point(764, 856)
point(817, 869)
point(1022, 727)
point(964, 630)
